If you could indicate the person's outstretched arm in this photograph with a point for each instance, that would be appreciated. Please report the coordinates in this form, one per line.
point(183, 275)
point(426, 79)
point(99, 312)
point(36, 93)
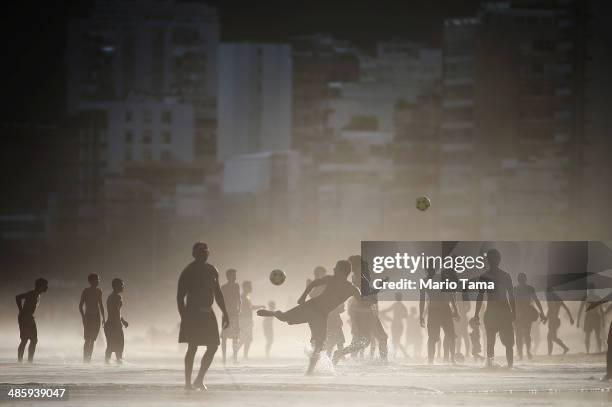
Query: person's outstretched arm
point(421, 308)
point(510, 291)
point(538, 304)
point(19, 299)
point(569, 314)
point(181, 292)
point(101, 306)
point(81, 303)
point(579, 314)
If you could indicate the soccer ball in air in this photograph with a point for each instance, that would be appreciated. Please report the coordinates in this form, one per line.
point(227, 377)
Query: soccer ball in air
point(423, 203)
point(277, 277)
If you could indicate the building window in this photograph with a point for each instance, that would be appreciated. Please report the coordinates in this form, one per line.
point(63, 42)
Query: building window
point(166, 116)
point(167, 137)
point(147, 136)
point(147, 115)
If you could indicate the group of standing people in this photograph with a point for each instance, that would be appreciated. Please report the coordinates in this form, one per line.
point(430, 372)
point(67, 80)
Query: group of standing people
point(92, 313)
point(509, 313)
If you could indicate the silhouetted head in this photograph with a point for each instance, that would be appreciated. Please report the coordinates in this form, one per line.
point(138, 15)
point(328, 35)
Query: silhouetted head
point(342, 268)
point(355, 261)
point(200, 251)
point(41, 285)
point(230, 274)
point(271, 305)
point(493, 257)
point(117, 285)
point(93, 279)
point(247, 287)
point(398, 296)
point(522, 278)
point(319, 272)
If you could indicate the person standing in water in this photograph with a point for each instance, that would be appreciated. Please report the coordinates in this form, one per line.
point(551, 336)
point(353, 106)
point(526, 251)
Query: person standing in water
point(593, 318)
point(554, 304)
point(246, 318)
point(501, 308)
point(231, 295)
point(198, 287)
point(526, 314)
point(113, 328)
point(399, 315)
point(27, 303)
point(91, 309)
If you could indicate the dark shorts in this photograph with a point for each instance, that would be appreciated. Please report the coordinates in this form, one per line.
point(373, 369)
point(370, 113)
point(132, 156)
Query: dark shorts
point(500, 321)
point(199, 327)
point(27, 328)
point(91, 326)
point(113, 330)
point(233, 330)
point(592, 322)
point(437, 320)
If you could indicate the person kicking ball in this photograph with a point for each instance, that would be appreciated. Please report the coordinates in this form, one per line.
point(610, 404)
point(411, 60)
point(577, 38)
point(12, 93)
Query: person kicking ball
point(315, 311)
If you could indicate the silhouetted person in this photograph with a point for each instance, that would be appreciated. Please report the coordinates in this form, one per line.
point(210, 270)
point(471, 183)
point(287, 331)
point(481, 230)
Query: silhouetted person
point(315, 311)
point(335, 335)
point(441, 309)
point(399, 315)
point(363, 311)
point(246, 318)
point(198, 287)
point(554, 304)
point(27, 304)
point(113, 328)
point(474, 324)
point(461, 327)
point(501, 309)
point(268, 328)
point(591, 307)
point(526, 314)
point(91, 309)
point(231, 296)
point(593, 318)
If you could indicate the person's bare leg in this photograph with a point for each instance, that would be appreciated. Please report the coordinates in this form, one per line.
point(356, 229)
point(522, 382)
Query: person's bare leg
point(510, 356)
point(490, 347)
point(587, 342)
point(32, 349)
point(21, 349)
point(431, 350)
point(235, 347)
point(224, 349)
point(314, 358)
point(598, 339)
point(204, 365)
point(189, 356)
point(247, 347)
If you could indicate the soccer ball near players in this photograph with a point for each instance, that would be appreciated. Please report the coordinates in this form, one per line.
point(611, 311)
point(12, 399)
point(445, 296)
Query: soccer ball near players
point(423, 203)
point(277, 277)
